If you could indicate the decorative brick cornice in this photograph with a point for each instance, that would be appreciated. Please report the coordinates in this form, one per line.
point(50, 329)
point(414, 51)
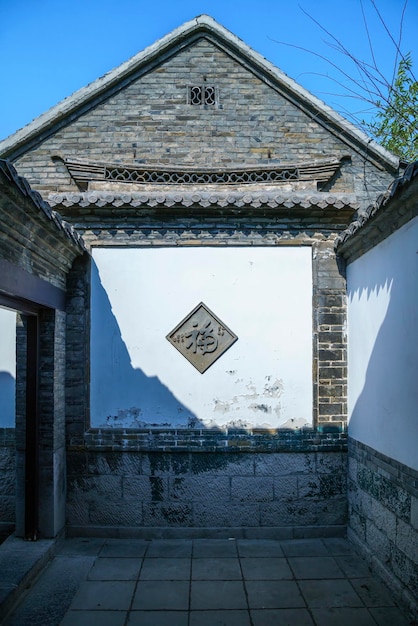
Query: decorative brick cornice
point(84, 173)
point(211, 440)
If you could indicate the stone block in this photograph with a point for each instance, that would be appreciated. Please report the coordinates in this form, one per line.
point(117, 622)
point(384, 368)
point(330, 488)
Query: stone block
point(333, 512)
point(321, 486)
point(378, 542)
point(357, 523)
point(405, 569)
point(300, 512)
point(227, 464)
point(285, 488)
point(283, 464)
point(210, 489)
point(105, 513)
point(332, 462)
point(252, 489)
point(166, 464)
point(114, 463)
point(100, 488)
point(383, 519)
point(7, 483)
point(395, 498)
point(360, 501)
point(414, 512)
point(145, 488)
point(352, 468)
point(407, 540)
point(168, 514)
point(7, 508)
point(230, 515)
point(77, 513)
point(369, 481)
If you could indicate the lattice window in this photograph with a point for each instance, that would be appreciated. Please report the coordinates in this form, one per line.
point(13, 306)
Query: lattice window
point(202, 94)
point(131, 175)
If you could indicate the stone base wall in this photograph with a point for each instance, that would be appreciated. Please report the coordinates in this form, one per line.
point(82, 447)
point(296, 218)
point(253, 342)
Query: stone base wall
point(383, 518)
point(7, 479)
point(167, 493)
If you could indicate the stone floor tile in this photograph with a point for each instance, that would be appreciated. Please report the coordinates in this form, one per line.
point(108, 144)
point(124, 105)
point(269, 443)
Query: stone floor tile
point(162, 595)
point(273, 594)
point(266, 569)
point(318, 567)
point(115, 569)
point(104, 595)
point(203, 548)
point(390, 616)
point(353, 566)
point(81, 546)
point(216, 569)
point(165, 569)
point(124, 548)
point(373, 592)
point(158, 618)
point(219, 618)
point(304, 547)
point(47, 600)
point(329, 594)
point(281, 617)
point(94, 618)
point(259, 548)
point(228, 594)
point(337, 546)
point(343, 617)
point(168, 548)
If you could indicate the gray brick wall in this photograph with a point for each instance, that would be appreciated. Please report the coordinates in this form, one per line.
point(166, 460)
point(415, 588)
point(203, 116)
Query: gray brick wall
point(300, 494)
point(383, 518)
point(7, 478)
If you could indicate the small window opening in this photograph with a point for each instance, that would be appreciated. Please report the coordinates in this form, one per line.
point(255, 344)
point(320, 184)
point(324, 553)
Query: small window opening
point(202, 94)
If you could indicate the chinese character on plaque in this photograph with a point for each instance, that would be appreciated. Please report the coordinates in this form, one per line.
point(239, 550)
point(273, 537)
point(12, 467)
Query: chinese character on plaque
point(201, 337)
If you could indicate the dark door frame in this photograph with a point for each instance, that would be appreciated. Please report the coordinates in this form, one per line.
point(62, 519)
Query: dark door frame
point(29, 295)
point(32, 428)
point(30, 313)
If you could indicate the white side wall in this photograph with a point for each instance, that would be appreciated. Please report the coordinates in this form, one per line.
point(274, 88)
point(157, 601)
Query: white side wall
point(7, 368)
point(383, 346)
point(264, 295)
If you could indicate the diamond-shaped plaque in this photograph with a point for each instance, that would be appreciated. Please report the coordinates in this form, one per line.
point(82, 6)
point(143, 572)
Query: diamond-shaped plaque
point(201, 337)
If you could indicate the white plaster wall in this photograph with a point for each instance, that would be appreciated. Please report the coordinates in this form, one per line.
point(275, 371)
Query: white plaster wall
point(264, 295)
point(7, 368)
point(383, 347)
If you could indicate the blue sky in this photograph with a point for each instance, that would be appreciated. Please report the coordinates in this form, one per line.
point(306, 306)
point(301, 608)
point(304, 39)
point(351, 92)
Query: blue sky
point(49, 49)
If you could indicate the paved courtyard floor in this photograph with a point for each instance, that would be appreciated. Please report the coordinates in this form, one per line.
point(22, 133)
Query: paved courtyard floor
point(206, 582)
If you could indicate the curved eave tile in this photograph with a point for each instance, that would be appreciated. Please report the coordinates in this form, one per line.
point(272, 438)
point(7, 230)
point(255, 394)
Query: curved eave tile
point(204, 200)
point(9, 174)
point(378, 206)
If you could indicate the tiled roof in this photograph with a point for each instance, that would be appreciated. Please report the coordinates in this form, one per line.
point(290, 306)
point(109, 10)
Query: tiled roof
point(9, 176)
point(187, 198)
point(379, 205)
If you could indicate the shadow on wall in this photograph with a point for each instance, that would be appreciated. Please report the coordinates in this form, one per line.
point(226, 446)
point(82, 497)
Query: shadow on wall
point(120, 395)
point(7, 400)
point(383, 410)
